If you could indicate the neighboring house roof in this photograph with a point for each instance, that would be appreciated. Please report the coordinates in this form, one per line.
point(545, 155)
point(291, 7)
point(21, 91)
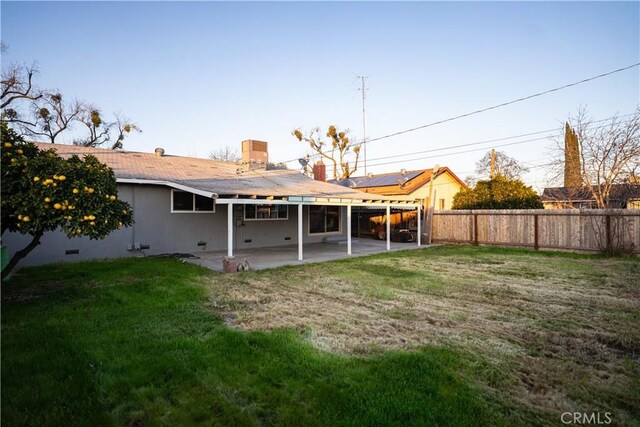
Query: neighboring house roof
point(212, 178)
point(399, 182)
point(619, 192)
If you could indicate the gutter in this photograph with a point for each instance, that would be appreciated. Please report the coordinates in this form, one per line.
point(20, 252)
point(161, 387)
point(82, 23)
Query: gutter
point(167, 184)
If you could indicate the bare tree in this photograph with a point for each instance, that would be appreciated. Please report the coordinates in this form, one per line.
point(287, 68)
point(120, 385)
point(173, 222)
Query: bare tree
point(609, 154)
point(98, 130)
point(470, 180)
point(504, 165)
point(101, 132)
point(338, 152)
point(46, 117)
point(17, 84)
point(226, 154)
point(121, 128)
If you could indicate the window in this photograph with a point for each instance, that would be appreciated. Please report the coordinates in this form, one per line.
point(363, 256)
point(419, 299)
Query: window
point(324, 219)
point(441, 201)
point(183, 201)
point(265, 212)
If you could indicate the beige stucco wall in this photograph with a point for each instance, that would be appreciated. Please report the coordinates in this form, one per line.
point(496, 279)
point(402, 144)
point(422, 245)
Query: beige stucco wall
point(444, 187)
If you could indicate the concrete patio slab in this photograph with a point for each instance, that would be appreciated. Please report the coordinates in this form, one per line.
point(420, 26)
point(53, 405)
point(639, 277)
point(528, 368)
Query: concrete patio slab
point(276, 256)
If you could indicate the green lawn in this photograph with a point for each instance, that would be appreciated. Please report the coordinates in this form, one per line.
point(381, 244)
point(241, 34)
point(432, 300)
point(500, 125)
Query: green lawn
point(161, 342)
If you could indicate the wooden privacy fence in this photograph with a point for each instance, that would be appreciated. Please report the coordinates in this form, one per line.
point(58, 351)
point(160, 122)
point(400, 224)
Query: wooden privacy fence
point(570, 229)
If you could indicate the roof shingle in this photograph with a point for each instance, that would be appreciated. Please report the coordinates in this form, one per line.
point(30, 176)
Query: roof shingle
point(220, 177)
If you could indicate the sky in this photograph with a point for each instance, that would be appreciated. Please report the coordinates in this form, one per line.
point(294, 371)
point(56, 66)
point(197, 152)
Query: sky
point(199, 76)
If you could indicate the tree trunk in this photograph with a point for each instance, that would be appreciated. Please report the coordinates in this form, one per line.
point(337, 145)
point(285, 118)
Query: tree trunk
point(21, 254)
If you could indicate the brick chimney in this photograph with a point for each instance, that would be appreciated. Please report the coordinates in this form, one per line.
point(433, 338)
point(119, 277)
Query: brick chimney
point(255, 152)
point(319, 171)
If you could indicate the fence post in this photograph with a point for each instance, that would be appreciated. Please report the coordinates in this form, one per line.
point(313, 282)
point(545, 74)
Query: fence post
point(475, 229)
point(471, 228)
point(608, 227)
point(429, 228)
point(535, 232)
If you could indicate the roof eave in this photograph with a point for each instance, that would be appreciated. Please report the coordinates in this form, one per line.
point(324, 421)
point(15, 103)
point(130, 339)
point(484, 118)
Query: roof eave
point(174, 185)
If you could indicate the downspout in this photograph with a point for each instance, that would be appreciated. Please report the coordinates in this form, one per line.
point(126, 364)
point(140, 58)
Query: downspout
point(133, 207)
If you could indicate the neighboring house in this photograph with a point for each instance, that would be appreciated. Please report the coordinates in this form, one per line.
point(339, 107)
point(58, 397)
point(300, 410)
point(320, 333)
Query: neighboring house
point(418, 184)
point(622, 196)
point(436, 190)
point(187, 205)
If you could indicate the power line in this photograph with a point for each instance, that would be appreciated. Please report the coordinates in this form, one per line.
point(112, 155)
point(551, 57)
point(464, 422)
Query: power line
point(488, 141)
point(458, 152)
point(469, 144)
point(493, 107)
point(475, 149)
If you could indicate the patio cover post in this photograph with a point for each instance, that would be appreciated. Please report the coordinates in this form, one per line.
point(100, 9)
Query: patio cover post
point(230, 230)
point(419, 228)
point(348, 229)
point(388, 227)
point(300, 232)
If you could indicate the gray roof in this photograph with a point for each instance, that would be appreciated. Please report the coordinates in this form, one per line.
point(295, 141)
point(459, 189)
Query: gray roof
point(225, 179)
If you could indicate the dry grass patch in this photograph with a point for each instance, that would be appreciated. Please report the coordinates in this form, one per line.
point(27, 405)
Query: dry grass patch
point(553, 332)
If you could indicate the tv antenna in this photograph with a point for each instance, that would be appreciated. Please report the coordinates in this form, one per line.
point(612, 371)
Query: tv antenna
point(363, 88)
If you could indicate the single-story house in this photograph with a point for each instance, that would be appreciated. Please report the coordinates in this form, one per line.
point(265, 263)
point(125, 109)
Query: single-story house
point(187, 205)
point(621, 196)
point(423, 184)
point(431, 188)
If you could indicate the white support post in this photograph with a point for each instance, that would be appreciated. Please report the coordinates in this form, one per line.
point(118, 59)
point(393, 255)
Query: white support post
point(230, 230)
point(300, 232)
point(419, 239)
point(348, 229)
point(388, 227)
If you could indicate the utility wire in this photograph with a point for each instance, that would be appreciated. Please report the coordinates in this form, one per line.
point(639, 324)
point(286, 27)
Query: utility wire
point(493, 107)
point(504, 103)
point(473, 150)
point(457, 152)
point(484, 142)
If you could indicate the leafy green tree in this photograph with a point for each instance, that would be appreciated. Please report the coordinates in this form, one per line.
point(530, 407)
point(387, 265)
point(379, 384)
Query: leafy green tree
point(497, 193)
point(42, 191)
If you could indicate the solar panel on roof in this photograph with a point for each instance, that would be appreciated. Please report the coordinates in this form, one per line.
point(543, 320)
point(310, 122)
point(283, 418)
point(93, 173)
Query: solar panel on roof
point(383, 180)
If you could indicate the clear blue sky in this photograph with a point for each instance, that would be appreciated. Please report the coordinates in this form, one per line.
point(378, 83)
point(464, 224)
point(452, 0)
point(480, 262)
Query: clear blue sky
point(200, 76)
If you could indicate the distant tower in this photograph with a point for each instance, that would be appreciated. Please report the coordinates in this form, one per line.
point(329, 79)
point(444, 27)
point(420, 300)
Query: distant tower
point(572, 175)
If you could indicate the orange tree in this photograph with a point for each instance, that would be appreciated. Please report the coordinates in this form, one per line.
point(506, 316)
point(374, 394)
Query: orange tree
point(497, 193)
point(42, 191)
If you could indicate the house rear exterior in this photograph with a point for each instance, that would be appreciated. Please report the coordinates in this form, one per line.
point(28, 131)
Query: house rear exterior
point(188, 205)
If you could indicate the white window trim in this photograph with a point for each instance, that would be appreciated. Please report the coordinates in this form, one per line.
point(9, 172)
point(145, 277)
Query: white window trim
point(244, 213)
point(326, 233)
point(194, 211)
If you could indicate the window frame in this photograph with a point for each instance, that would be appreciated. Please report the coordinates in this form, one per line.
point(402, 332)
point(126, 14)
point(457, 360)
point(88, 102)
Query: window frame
point(325, 233)
point(244, 212)
point(173, 190)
